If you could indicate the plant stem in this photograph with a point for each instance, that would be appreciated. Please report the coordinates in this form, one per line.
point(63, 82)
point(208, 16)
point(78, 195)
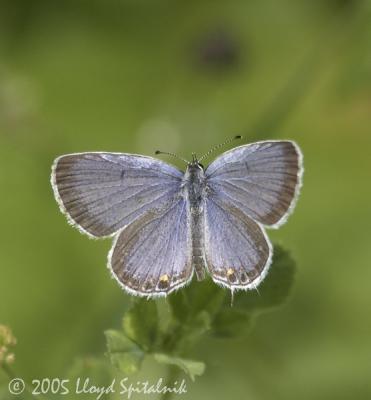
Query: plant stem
point(172, 375)
point(8, 371)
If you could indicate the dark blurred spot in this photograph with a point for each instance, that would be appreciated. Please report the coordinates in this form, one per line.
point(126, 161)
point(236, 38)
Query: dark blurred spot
point(217, 50)
point(343, 5)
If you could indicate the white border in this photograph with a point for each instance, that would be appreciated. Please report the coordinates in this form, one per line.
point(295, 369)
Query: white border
point(298, 187)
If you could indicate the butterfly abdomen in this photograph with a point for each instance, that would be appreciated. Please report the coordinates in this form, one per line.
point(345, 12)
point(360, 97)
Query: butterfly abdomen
point(195, 192)
point(198, 244)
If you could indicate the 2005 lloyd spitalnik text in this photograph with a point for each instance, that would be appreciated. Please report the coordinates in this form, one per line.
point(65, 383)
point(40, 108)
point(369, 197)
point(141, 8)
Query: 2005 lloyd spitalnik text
point(122, 386)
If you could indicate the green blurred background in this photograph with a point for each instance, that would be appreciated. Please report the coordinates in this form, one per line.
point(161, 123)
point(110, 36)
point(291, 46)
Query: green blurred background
point(181, 76)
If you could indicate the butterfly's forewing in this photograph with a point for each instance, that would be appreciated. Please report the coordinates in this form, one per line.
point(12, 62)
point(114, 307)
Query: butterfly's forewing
point(100, 193)
point(238, 252)
point(261, 179)
point(152, 256)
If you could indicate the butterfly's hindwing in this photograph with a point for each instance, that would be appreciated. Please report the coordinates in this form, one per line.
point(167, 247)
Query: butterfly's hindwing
point(238, 252)
point(152, 256)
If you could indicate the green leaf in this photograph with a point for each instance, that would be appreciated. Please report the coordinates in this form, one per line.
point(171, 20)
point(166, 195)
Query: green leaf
point(179, 305)
point(231, 323)
point(185, 335)
point(205, 296)
point(140, 323)
point(193, 310)
point(165, 316)
point(123, 353)
point(199, 297)
point(190, 367)
point(197, 327)
point(274, 290)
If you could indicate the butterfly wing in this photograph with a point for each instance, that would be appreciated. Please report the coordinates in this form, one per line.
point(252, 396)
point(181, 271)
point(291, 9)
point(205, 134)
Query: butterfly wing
point(100, 193)
point(152, 256)
point(238, 252)
point(261, 179)
point(248, 186)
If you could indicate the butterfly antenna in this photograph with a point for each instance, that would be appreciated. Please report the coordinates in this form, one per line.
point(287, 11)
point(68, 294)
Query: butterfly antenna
point(172, 155)
point(218, 146)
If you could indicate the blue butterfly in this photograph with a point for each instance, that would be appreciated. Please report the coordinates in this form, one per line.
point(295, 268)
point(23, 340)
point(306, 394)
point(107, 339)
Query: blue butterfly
point(168, 224)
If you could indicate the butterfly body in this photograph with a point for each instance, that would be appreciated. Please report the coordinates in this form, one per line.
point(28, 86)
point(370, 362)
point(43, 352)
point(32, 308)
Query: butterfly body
point(195, 190)
point(168, 224)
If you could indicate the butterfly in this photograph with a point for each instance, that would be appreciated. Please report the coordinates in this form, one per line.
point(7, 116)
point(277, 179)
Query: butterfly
point(168, 224)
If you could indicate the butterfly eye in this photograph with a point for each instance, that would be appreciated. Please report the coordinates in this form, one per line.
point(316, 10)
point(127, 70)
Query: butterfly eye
point(201, 165)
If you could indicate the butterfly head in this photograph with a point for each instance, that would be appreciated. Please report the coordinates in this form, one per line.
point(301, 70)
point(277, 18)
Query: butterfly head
point(195, 164)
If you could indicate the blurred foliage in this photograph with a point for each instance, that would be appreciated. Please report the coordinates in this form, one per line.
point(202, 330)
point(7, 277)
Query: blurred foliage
point(7, 342)
point(200, 310)
point(139, 75)
point(169, 330)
